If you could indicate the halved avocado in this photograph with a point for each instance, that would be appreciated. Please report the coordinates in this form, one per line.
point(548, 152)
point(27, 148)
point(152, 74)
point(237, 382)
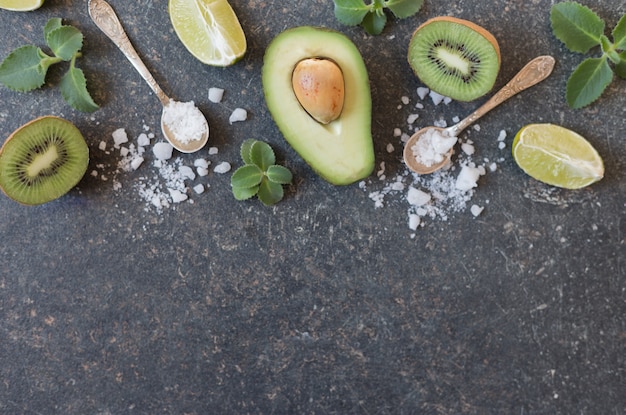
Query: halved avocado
point(342, 151)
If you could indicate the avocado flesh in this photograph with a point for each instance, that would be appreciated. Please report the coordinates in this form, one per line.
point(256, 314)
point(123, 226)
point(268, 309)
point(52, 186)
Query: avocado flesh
point(342, 151)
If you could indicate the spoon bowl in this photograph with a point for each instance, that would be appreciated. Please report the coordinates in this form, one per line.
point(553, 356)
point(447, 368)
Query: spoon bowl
point(534, 72)
point(105, 18)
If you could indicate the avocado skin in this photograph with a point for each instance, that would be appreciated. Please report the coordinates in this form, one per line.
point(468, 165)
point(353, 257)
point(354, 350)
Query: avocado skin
point(342, 151)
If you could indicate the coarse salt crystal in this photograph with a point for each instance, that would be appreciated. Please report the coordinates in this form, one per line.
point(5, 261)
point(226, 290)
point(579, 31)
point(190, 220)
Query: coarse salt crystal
point(390, 148)
point(467, 178)
point(201, 163)
point(502, 135)
point(405, 100)
point(414, 221)
point(177, 195)
point(136, 162)
point(186, 172)
point(202, 171)
point(417, 197)
point(411, 118)
point(476, 210)
point(119, 137)
point(163, 151)
point(213, 150)
point(102, 146)
point(199, 188)
point(185, 121)
point(216, 95)
point(467, 148)
point(143, 140)
point(436, 97)
point(501, 145)
point(223, 167)
point(239, 114)
point(397, 132)
point(422, 92)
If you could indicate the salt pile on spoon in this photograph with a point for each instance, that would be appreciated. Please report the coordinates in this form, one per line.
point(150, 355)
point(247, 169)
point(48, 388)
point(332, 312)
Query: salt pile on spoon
point(185, 121)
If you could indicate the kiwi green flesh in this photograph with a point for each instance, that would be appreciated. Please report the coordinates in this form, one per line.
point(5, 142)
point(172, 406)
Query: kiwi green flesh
point(454, 60)
point(42, 161)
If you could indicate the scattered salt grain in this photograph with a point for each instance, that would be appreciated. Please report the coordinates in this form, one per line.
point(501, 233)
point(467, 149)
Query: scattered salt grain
point(186, 172)
point(417, 197)
point(467, 148)
point(414, 221)
point(185, 121)
point(390, 148)
point(397, 132)
point(119, 137)
point(501, 135)
point(436, 97)
point(422, 92)
point(405, 100)
point(102, 146)
point(476, 210)
point(501, 145)
point(163, 151)
point(476, 127)
point(143, 140)
point(216, 95)
point(201, 163)
point(432, 147)
point(202, 171)
point(412, 118)
point(223, 167)
point(177, 195)
point(124, 151)
point(239, 114)
point(440, 123)
point(199, 188)
point(136, 162)
point(467, 178)
point(213, 150)
point(455, 119)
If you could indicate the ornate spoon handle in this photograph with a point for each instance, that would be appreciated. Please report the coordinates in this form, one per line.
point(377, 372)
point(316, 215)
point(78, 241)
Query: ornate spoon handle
point(105, 18)
point(534, 72)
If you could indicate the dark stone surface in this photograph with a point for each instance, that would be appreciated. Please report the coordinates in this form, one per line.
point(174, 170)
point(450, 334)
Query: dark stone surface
point(321, 304)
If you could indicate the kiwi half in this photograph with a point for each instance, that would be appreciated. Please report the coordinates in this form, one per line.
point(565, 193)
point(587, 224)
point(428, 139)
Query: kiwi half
point(454, 57)
point(42, 160)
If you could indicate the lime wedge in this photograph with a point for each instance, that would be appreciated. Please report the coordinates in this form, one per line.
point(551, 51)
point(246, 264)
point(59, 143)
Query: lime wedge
point(20, 5)
point(557, 156)
point(209, 29)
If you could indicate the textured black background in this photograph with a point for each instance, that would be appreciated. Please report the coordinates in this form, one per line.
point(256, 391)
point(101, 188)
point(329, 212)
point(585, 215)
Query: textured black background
point(321, 304)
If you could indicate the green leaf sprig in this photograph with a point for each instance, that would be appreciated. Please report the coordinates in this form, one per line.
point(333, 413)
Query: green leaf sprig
point(25, 68)
point(260, 175)
point(372, 16)
point(581, 29)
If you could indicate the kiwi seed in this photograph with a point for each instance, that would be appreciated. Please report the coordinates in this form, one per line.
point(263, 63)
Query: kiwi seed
point(455, 58)
point(42, 160)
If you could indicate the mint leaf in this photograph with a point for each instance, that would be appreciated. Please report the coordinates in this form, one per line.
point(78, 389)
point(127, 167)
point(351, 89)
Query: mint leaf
point(74, 90)
point(22, 70)
point(404, 8)
point(350, 12)
point(374, 23)
point(587, 82)
point(279, 174)
point(619, 34)
point(577, 26)
point(246, 146)
point(262, 155)
point(242, 193)
point(247, 176)
point(270, 192)
point(65, 42)
point(52, 24)
point(620, 68)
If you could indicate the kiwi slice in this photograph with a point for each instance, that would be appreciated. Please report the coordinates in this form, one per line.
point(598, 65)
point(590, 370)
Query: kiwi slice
point(42, 160)
point(455, 58)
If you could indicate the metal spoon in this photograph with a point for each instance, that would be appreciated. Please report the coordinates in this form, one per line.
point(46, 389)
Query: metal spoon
point(105, 18)
point(534, 72)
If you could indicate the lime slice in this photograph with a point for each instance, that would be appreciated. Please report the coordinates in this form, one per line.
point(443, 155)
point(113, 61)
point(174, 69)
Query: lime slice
point(209, 29)
point(557, 156)
point(20, 5)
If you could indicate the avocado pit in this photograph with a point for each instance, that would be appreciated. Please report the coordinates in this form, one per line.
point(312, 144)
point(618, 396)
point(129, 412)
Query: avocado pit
point(319, 87)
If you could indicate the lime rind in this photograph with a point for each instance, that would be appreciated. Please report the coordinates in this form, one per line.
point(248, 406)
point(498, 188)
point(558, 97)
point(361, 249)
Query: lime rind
point(557, 156)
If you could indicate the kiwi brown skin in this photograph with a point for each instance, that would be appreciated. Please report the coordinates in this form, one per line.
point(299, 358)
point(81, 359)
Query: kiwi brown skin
point(63, 158)
point(475, 28)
